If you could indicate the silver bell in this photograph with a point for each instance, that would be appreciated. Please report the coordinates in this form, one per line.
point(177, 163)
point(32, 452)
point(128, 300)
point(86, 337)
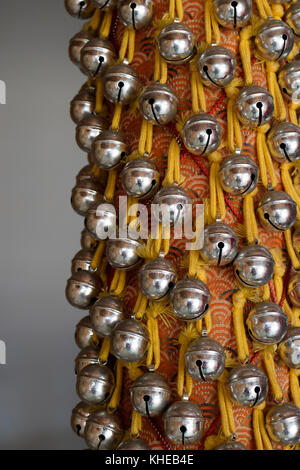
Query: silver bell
point(96, 56)
point(220, 244)
point(202, 134)
point(95, 384)
point(77, 42)
point(105, 5)
point(150, 394)
point(190, 299)
point(216, 66)
point(247, 386)
point(231, 445)
point(184, 422)
point(172, 202)
point(79, 417)
point(157, 278)
point(87, 356)
point(277, 211)
point(232, 14)
point(121, 84)
point(84, 333)
point(137, 14)
point(177, 43)
point(267, 323)
point(129, 341)
point(83, 289)
point(88, 129)
point(103, 431)
point(87, 242)
point(158, 104)
point(86, 173)
point(109, 149)
point(133, 444)
point(283, 424)
point(289, 348)
point(85, 195)
point(284, 142)
point(294, 289)
point(205, 359)
point(292, 18)
point(82, 261)
point(123, 253)
point(274, 40)
point(82, 9)
point(100, 220)
point(254, 106)
point(289, 80)
point(238, 175)
point(254, 266)
point(140, 178)
point(105, 314)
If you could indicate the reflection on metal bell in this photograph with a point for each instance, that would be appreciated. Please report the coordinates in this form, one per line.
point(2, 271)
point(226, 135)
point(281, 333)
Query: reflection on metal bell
point(109, 148)
point(172, 201)
point(232, 14)
point(284, 142)
point(267, 323)
point(220, 244)
point(140, 178)
point(121, 84)
point(150, 394)
point(283, 424)
point(85, 195)
point(289, 80)
point(79, 417)
point(205, 359)
point(82, 289)
point(82, 261)
point(289, 348)
point(86, 173)
point(254, 266)
point(88, 129)
point(238, 175)
point(100, 220)
point(129, 341)
point(137, 14)
point(103, 431)
point(277, 211)
point(105, 314)
point(231, 445)
point(158, 104)
point(190, 299)
point(105, 5)
point(157, 278)
point(177, 43)
point(274, 40)
point(122, 253)
point(254, 106)
point(216, 66)
point(292, 18)
point(183, 422)
point(202, 134)
point(87, 242)
point(84, 333)
point(133, 444)
point(247, 386)
point(82, 9)
point(85, 357)
point(95, 384)
point(96, 56)
point(77, 42)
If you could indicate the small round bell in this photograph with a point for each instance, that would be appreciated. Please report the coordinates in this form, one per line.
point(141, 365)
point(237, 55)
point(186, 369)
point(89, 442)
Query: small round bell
point(85, 195)
point(86, 173)
point(137, 14)
point(231, 445)
point(205, 359)
point(232, 14)
point(129, 341)
point(294, 289)
point(79, 417)
point(101, 219)
point(123, 253)
point(157, 278)
point(277, 211)
point(109, 149)
point(77, 42)
point(238, 175)
point(220, 244)
point(133, 444)
point(172, 202)
point(289, 348)
point(150, 394)
point(254, 266)
point(201, 134)
point(190, 299)
point(216, 66)
point(83, 289)
point(247, 386)
point(88, 129)
point(87, 242)
point(105, 314)
point(82, 9)
point(96, 56)
point(84, 333)
point(121, 84)
point(184, 422)
point(274, 40)
point(86, 357)
point(254, 106)
point(177, 43)
point(283, 424)
point(158, 104)
point(82, 261)
point(95, 384)
point(292, 18)
point(284, 142)
point(105, 5)
point(267, 323)
point(103, 431)
point(140, 178)
point(289, 80)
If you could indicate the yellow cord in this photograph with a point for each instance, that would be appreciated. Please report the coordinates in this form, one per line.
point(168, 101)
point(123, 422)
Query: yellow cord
point(140, 306)
point(116, 396)
point(117, 117)
point(238, 304)
point(197, 89)
point(173, 174)
point(266, 166)
point(127, 45)
point(294, 386)
point(94, 23)
point(176, 10)
point(136, 423)
point(111, 185)
point(146, 138)
point(268, 357)
point(228, 426)
point(288, 184)
point(245, 53)
point(261, 437)
point(249, 218)
point(293, 107)
point(234, 135)
point(186, 336)
point(97, 258)
point(118, 282)
point(279, 270)
point(216, 191)
point(211, 24)
point(106, 24)
point(279, 106)
point(104, 351)
point(264, 8)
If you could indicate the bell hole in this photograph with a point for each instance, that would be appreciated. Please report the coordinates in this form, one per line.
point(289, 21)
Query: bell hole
point(179, 207)
point(78, 427)
point(183, 429)
point(221, 245)
point(284, 37)
point(282, 146)
point(234, 4)
point(171, 285)
point(82, 4)
point(120, 84)
point(93, 300)
point(208, 131)
point(79, 269)
point(205, 68)
point(252, 176)
point(153, 182)
point(101, 437)
point(133, 5)
point(151, 101)
point(259, 105)
point(123, 154)
point(146, 398)
point(257, 390)
point(138, 213)
point(198, 363)
point(101, 59)
point(105, 229)
point(266, 216)
point(284, 90)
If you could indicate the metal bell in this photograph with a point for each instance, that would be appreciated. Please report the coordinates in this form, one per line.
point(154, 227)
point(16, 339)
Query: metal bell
point(133, 444)
point(232, 14)
point(82, 261)
point(284, 142)
point(184, 422)
point(150, 394)
point(254, 106)
point(84, 333)
point(83, 289)
point(172, 201)
point(137, 14)
point(177, 43)
point(158, 104)
point(220, 244)
point(109, 149)
point(238, 175)
point(105, 5)
point(95, 384)
point(283, 424)
point(87, 242)
point(105, 314)
point(274, 40)
point(82, 105)
point(254, 266)
point(77, 42)
point(289, 348)
point(86, 173)
point(86, 357)
point(103, 431)
point(79, 417)
point(157, 278)
point(277, 211)
point(267, 323)
point(294, 289)
point(101, 220)
point(247, 386)
point(216, 66)
point(289, 80)
point(140, 178)
point(96, 56)
point(202, 134)
point(231, 445)
point(292, 18)
point(121, 84)
point(190, 299)
point(205, 359)
point(129, 341)
point(123, 253)
point(82, 9)
point(85, 195)
point(88, 129)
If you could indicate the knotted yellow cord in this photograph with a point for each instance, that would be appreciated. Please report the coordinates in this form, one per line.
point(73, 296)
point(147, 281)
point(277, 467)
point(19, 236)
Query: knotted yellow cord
point(118, 282)
point(97, 258)
point(296, 316)
point(136, 423)
point(146, 138)
point(197, 89)
point(196, 270)
point(245, 53)
point(277, 11)
point(264, 8)
point(127, 45)
point(238, 304)
point(211, 23)
point(116, 396)
point(288, 183)
point(290, 248)
point(154, 347)
point(115, 124)
point(266, 166)
point(184, 380)
point(267, 353)
point(134, 370)
point(293, 108)
point(234, 135)
point(217, 202)
point(140, 306)
point(279, 271)
point(249, 218)
point(279, 106)
point(261, 437)
point(104, 351)
point(294, 386)
point(173, 170)
point(228, 426)
point(106, 24)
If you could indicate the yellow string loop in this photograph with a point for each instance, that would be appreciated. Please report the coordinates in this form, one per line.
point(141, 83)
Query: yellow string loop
point(116, 396)
point(94, 23)
point(217, 202)
point(250, 219)
point(176, 10)
point(279, 271)
point(186, 336)
point(140, 306)
point(115, 124)
point(154, 346)
point(98, 255)
point(104, 351)
point(261, 437)
point(173, 174)
point(288, 183)
point(294, 386)
point(293, 108)
point(277, 11)
point(211, 23)
point(106, 24)
point(127, 45)
point(197, 89)
point(290, 248)
point(111, 185)
point(238, 304)
point(268, 357)
point(146, 138)
point(234, 135)
point(279, 106)
point(118, 282)
point(136, 423)
point(245, 53)
point(228, 426)
point(266, 166)
point(264, 8)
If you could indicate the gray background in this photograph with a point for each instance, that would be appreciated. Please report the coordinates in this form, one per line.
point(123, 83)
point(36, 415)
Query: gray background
point(39, 230)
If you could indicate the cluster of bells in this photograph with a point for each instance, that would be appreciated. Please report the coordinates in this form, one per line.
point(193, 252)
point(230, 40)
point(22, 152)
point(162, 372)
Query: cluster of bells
point(267, 323)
